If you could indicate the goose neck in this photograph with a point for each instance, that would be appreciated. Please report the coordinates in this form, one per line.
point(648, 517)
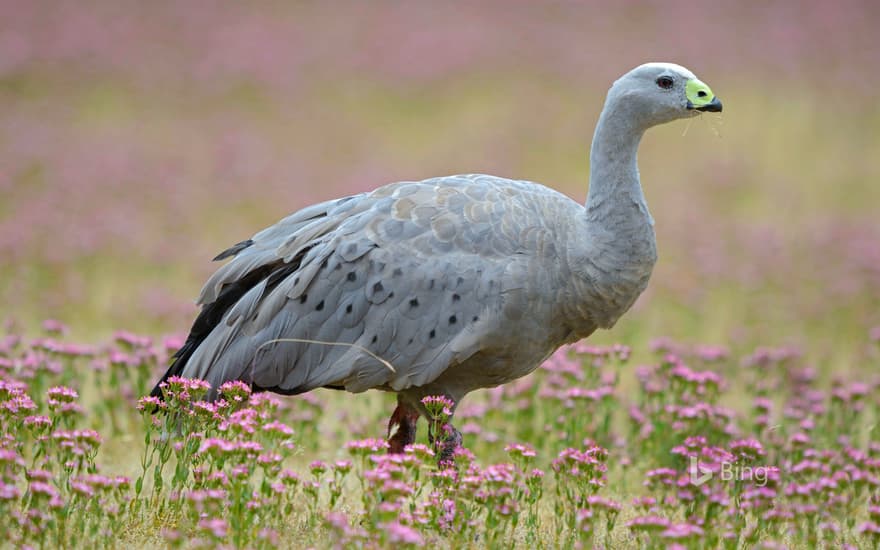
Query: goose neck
point(614, 173)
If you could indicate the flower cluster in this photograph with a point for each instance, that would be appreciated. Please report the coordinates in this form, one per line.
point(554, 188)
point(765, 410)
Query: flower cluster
point(788, 463)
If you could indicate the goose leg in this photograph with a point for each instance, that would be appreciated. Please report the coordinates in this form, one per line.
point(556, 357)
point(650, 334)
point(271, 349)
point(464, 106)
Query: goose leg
point(404, 418)
point(450, 440)
point(445, 443)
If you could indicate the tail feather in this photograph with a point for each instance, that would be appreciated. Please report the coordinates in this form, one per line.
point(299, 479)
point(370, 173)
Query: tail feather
point(210, 316)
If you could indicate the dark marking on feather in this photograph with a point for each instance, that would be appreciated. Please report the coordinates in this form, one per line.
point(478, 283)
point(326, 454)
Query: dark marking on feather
point(279, 275)
point(233, 250)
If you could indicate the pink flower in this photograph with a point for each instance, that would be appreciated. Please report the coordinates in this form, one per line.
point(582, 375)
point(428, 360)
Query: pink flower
point(132, 340)
point(317, 468)
point(216, 527)
point(597, 502)
point(212, 443)
point(185, 390)
point(54, 326)
point(269, 459)
point(365, 447)
point(206, 411)
point(39, 475)
point(62, 394)
point(242, 422)
point(679, 531)
point(419, 451)
point(648, 523)
point(584, 518)
point(235, 391)
point(9, 492)
point(289, 477)
point(345, 531)
point(663, 476)
point(264, 403)
point(438, 406)
point(763, 404)
point(82, 489)
point(712, 354)
point(149, 404)
point(747, 449)
point(39, 424)
point(518, 451)
point(43, 489)
point(277, 429)
point(646, 502)
point(401, 534)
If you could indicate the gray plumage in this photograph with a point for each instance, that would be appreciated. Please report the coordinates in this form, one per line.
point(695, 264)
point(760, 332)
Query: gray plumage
point(456, 283)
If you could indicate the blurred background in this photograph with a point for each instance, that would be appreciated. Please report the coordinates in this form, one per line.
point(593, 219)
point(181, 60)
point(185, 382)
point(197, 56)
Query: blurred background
point(139, 139)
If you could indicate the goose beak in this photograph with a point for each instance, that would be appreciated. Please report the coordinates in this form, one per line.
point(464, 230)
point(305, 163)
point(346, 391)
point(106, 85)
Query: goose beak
point(700, 97)
point(713, 106)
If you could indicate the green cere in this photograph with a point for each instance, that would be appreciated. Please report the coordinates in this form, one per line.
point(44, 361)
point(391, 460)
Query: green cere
point(698, 93)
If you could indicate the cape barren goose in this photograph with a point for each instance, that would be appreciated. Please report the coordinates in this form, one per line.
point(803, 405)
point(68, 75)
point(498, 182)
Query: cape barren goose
point(443, 286)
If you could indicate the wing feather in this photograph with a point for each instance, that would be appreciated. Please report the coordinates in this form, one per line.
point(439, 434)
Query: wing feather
point(408, 275)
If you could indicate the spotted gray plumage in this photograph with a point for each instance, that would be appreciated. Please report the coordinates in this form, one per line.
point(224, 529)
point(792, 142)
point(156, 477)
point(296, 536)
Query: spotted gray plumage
point(422, 274)
point(441, 286)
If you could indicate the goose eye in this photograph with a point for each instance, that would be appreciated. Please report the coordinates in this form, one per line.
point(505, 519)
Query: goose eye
point(665, 82)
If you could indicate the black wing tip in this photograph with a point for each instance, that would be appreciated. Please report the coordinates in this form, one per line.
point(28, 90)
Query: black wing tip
point(180, 358)
point(233, 250)
point(157, 391)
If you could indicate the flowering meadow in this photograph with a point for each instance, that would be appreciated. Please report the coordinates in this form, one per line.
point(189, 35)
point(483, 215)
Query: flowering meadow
point(565, 457)
point(735, 406)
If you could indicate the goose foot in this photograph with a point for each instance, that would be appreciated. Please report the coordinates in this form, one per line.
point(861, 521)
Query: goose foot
point(446, 445)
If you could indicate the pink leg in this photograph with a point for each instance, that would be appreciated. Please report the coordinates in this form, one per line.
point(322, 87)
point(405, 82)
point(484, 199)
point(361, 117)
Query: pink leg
point(405, 418)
